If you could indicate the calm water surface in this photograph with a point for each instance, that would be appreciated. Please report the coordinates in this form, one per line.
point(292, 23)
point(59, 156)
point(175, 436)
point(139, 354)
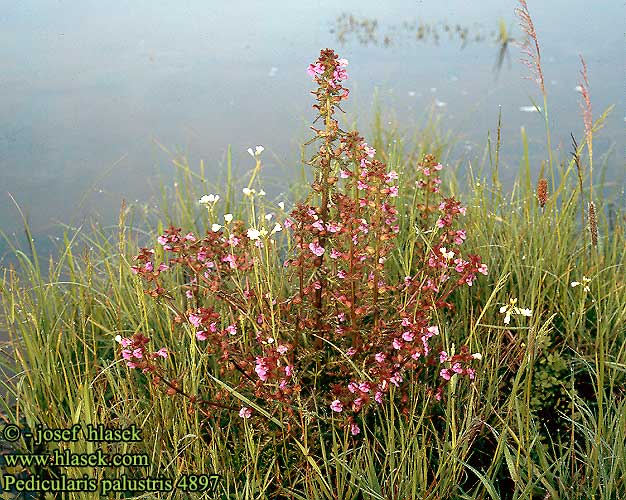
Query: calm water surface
point(88, 89)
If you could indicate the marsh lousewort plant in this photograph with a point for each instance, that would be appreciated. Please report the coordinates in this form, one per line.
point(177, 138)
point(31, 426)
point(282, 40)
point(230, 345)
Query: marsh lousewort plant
point(338, 332)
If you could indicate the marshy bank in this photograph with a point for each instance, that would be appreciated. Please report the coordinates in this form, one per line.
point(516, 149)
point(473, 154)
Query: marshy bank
point(364, 336)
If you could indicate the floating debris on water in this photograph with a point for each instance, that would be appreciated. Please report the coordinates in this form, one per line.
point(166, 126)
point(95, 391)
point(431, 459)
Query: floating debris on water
point(530, 109)
point(440, 104)
point(578, 88)
point(272, 72)
point(411, 93)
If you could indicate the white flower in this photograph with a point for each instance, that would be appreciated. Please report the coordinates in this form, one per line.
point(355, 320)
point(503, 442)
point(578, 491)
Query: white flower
point(446, 255)
point(248, 191)
point(216, 227)
point(477, 355)
point(511, 308)
point(584, 283)
point(277, 228)
point(262, 193)
point(257, 151)
point(118, 339)
point(281, 205)
point(253, 234)
point(268, 217)
point(228, 218)
point(208, 199)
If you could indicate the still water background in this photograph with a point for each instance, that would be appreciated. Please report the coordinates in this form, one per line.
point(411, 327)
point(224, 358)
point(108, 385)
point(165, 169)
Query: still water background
point(88, 89)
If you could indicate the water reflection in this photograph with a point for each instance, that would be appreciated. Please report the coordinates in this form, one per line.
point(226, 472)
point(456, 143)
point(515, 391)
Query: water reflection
point(367, 31)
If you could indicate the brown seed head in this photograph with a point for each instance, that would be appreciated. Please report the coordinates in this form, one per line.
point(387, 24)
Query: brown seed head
point(542, 192)
point(593, 224)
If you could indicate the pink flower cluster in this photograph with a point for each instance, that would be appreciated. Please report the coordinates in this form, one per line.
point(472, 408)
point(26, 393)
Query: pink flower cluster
point(343, 308)
point(133, 350)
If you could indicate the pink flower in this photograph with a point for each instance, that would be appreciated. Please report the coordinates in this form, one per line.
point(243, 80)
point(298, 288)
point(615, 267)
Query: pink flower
point(361, 185)
point(445, 373)
point(393, 191)
point(351, 351)
point(315, 69)
point(378, 397)
point(342, 62)
point(316, 248)
point(369, 151)
point(261, 368)
point(354, 429)
point(201, 335)
point(459, 236)
point(138, 353)
point(334, 254)
point(195, 320)
point(456, 368)
point(391, 176)
point(232, 329)
point(357, 404)
point(245, 412)
point(341, 274)
point(460, 265)
point(380, 357)
point(408, 336)
point(443, 356)
point(282, 349)
point(162, 352)
point(336, 406)
point(231, 259)
point(364, 387)
point(432, 330)
point(352, 387)
point(397, 344)
point(343, 174)
point(149, 267)
point(162, 239)
point(482, 269)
